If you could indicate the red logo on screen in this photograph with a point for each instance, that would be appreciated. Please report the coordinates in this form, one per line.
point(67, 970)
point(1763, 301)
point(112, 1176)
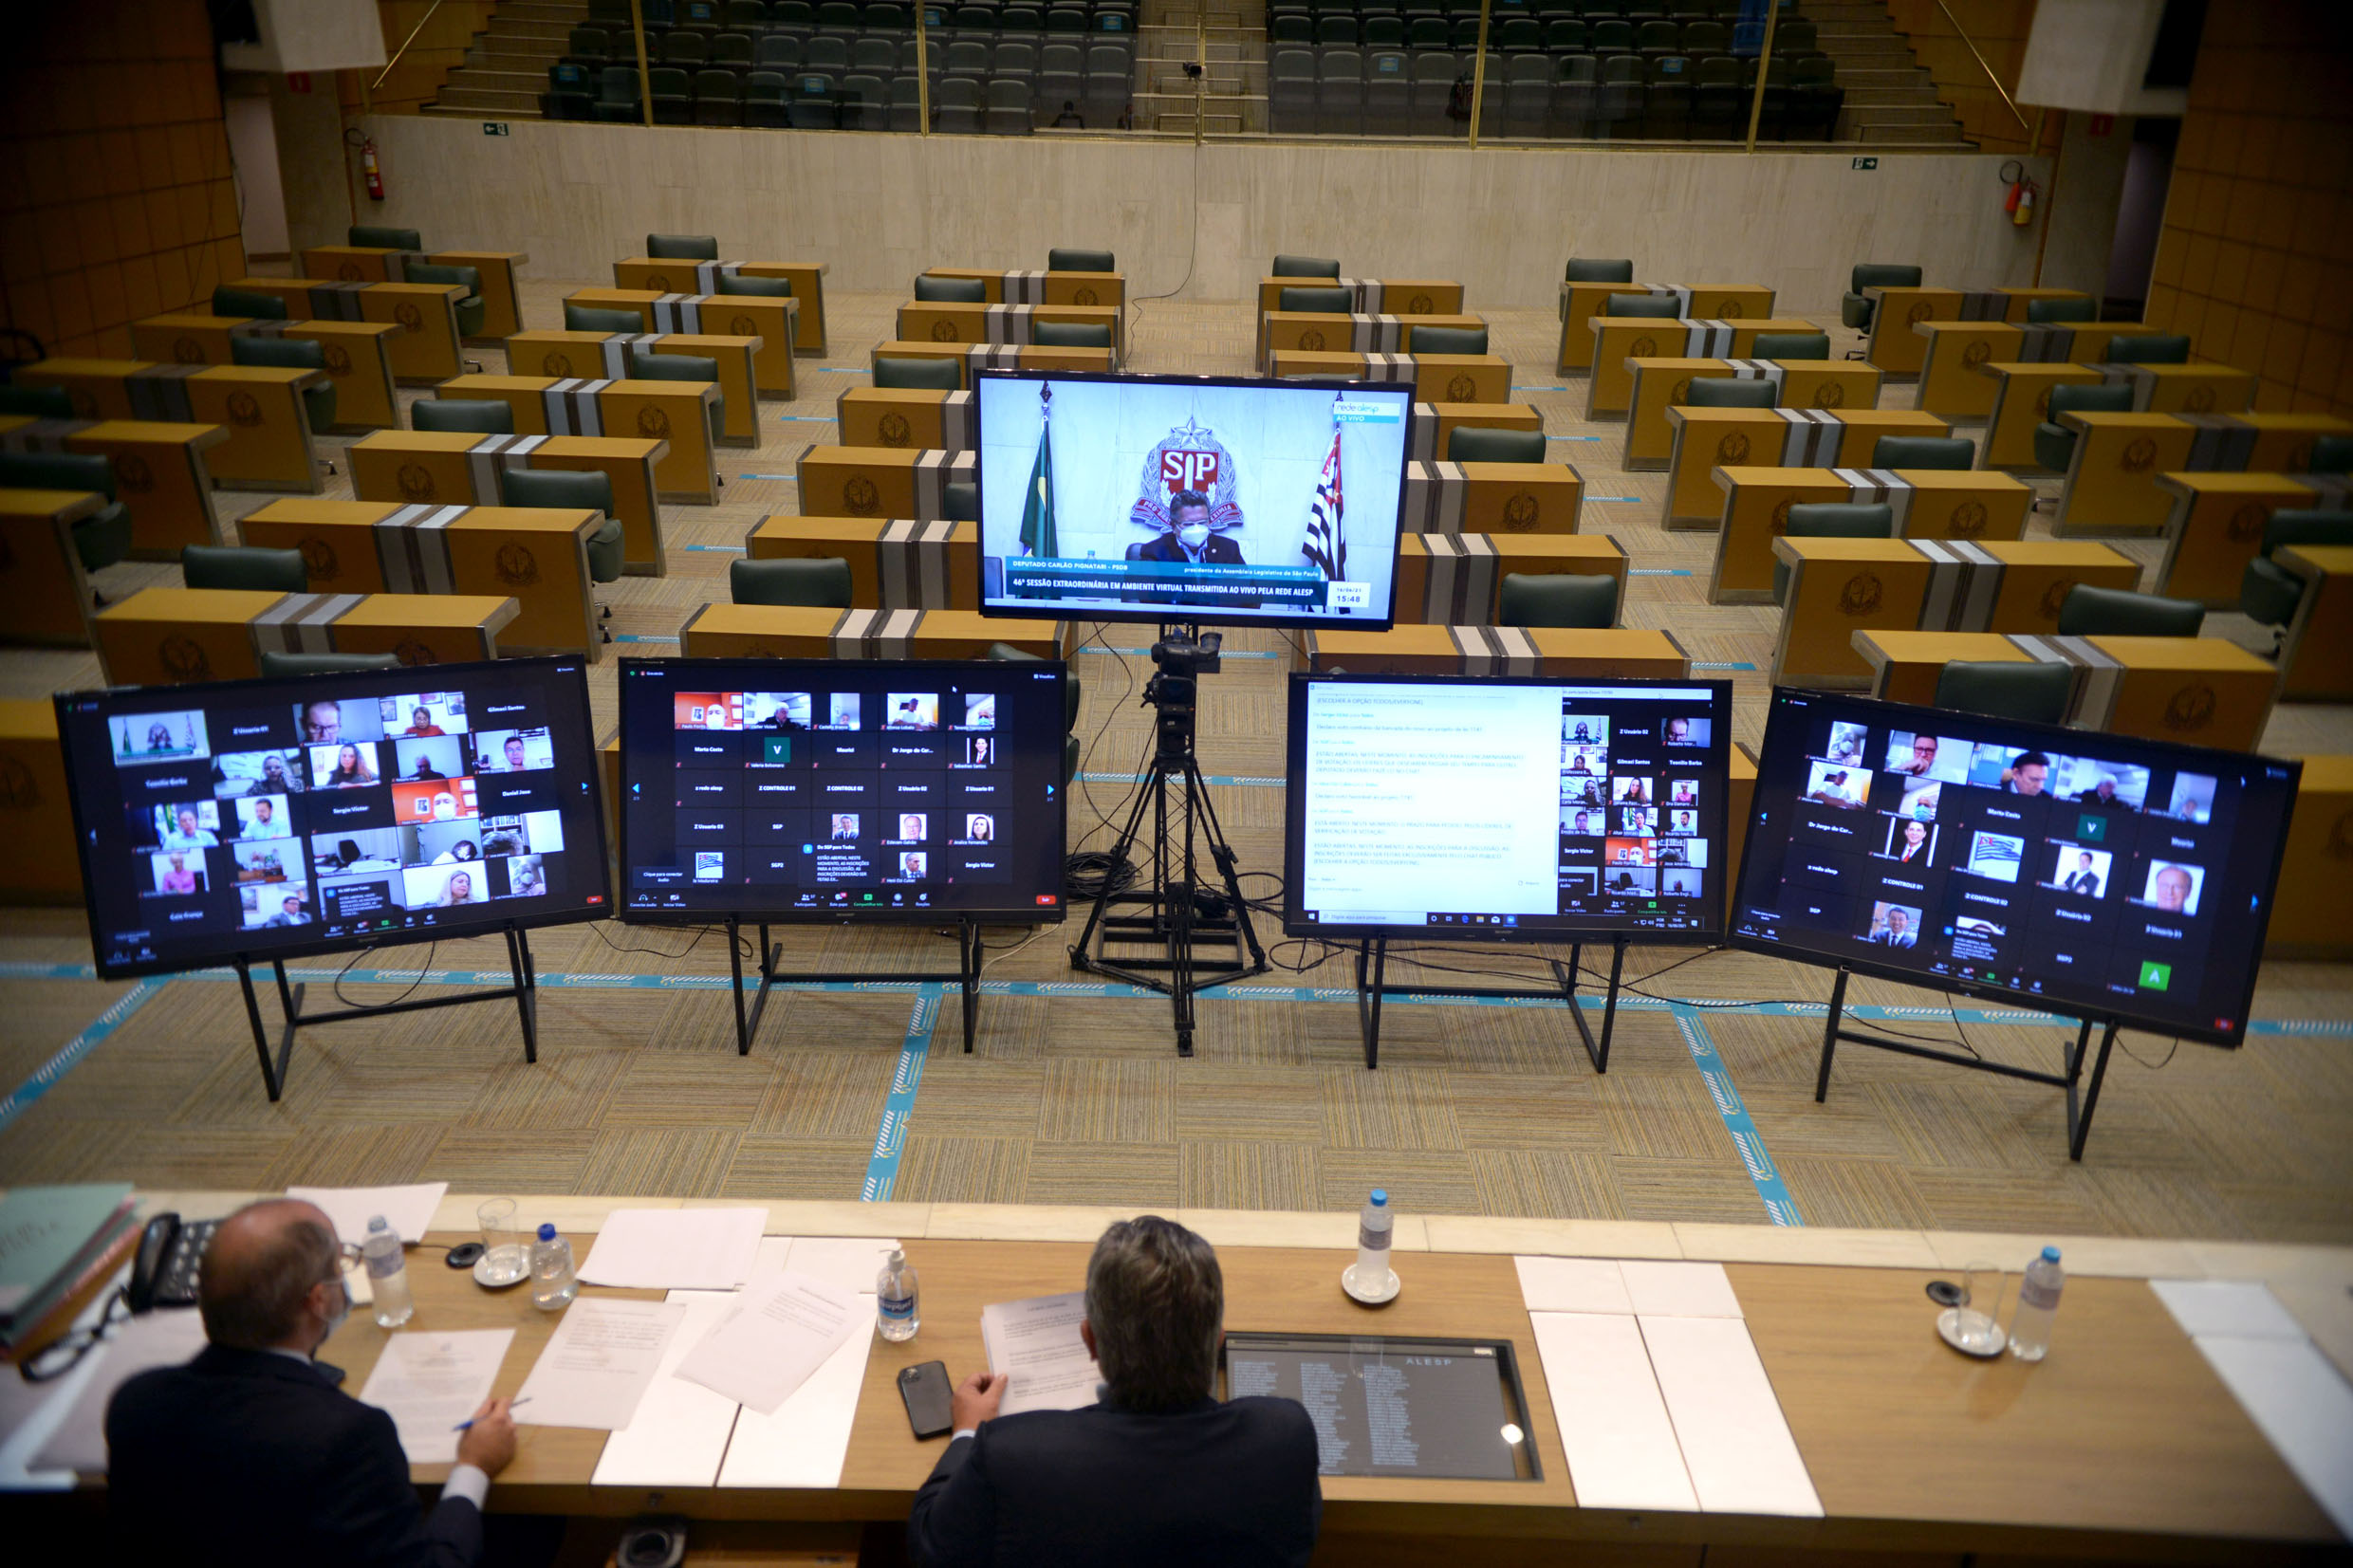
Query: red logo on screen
point(595, 899)
point(1187, 470)
point(1046, 897)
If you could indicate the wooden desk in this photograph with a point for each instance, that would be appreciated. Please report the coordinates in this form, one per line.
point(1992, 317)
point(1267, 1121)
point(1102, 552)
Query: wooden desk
point(974, 357)
point(425, 351)
point(2215, 528)
point(539, 555)
point(1950, 384)
point(1353, 333)
point(561, 353)
point(1003, 326)
point(879, 482)
point(774, 321)
point(2316, 662)
point(1661, 384)
point(923, 418)
point(1708, 439)
point(893, 565)
point(1897, 350)
point(1429, 426)
point(1609, 390)
point(1372, 296)
point(2198, 388)
point(502, 315)
point(1513, 498)
point(1453, 579)
point(1581, 302)
point(1838, 588)
point(260, 406)
point(162, 477)
point(664, 276)
point(2312, 911)
point(164, 637)
point(675, 411)
point(2021, 402)
point(36, 811)
point(2111, 483)
point(1447, 377)
point(1964, 507)
point(1042, 287)
point(771, 631)
point(357, 354)
point(452, 467)
point(41, 583)
point(1481, 649)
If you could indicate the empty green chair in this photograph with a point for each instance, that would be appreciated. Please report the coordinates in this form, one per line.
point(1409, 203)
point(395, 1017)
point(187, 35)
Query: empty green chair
point(104, 536)
point(296, 354)
point(1331, 302)
point(1304, 266)
point(2053, 313)
point(467, 415)
point(2149, 349)
point(1070, 334)
point(931, 290)
point(645, 365)
point(960, 499)
point(2028, 690)
point(1731, 392)
point(244, 566)
point(471, 308)
point(36, 402)
point(589, 318)
point(375, 236)
point(1061, 260)
point(2054, 443)
point(1487, 444)
point(2268, 593)
point(819, 582)
point(682, 247)
point(278, 666)
point(579, 490)
point(1005, 653)
point(2089, 612)
point(892, 370)
point(1791, 345)
point(1857, 308)
point(742, 283)
point(1557, 598)
point(1599, 272)
point(1924, 452)
point(1642, 304)
point(1449, 340)
point(2330, 454)
point(1832, 519)
point(247, 303)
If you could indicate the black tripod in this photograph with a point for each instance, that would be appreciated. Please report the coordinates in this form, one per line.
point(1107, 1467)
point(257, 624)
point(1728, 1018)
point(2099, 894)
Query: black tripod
point(1180, 914)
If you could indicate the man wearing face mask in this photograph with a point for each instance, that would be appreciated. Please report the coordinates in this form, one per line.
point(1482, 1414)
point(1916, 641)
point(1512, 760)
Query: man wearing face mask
point(1190, 540)
point(251, 1453)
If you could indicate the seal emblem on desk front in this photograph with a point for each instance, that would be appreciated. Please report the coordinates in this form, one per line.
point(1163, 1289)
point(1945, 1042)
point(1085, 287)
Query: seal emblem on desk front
point(2190, 708)
point(1733, 448)
point(892, 430)
point(658, 282)
point(19, 790)
point(338, 360)
point(410, 318)
point(1862, 594)
point(1645, 347)
point(320, 559)
point(1829, 395)
point(2300, 459)
point(410, 650)
point(944, 332)
point(653, 423)
point(348, 271)
point(1461, 389)
point(555, 363)
point(1421, 304)
point(1779, 521)
point(2140, 455)
point(414, 481)
point(183, 657)
point(2341, 837)
point(1522, 512)
point(86, 406)
point(2056, 595)
point(858, 495)
point(1920, 311)
point(2247, 523)
point(516, 567)
point(1976, 353)
point(1727, 311)
point(1311, 339)
point(742, 326)
point(133, 474)
point(1968, 519)
point(1680, 393)
point(1084, 294)
point(245, 410)
point(187, 351)
point(2200, 400)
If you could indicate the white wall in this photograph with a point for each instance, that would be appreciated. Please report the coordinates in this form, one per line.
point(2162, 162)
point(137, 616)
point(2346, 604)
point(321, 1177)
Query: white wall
point(253, 146)
point(881, 208)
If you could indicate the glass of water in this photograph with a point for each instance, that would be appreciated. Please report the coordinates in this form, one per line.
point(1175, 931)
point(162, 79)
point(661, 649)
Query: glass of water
point(1977, 1316)
point(506, 1247)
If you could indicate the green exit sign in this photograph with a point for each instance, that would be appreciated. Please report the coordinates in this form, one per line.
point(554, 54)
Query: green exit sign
point(1860, 163)
point(498, 127)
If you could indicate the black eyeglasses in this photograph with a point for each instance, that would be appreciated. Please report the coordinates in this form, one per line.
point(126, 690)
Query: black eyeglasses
point(61, 1354)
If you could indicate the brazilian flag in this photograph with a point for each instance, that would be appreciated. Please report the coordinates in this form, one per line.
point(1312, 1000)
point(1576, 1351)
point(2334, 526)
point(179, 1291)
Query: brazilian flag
point(1037, 513)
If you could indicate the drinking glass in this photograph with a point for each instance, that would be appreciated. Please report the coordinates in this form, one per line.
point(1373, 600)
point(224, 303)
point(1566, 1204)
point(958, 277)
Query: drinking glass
point(506, 1250)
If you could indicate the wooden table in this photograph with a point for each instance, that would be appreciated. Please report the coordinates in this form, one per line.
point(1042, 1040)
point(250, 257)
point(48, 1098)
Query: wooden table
point(539, 555)
point(1046, 288)
point(665, 276)
point(2021, 402)
point(2111, 483)
point(1510, 498)
point(675, 411)
point(1447, 377)
point(1005, 325)
point(2316, 662)
point(1581, 302)
point(1413, 296)
point(425, 351)
point(502, 315)
point(893, 565)
point(1609, 390)
point(268, 446)
point(36, 810)
point(1453, 579)
point(1706, 439)
point(48, 597)
point(879, 481)
point(1486, 650)
point(421, 467)
point(1897, 350)
point(920, 419)
point(164, 637)
point(775, 321)
point(561, 353)
point(2312, 910)
point(2215, 529)
point(1429, 426)
point(1962, 505)
point(975, 357)
point(1950, 384)
point(357, 354)
point(162, 475)
point(1357, 334)
point(1661, 384)
point(772, 630)
point(2200, 387)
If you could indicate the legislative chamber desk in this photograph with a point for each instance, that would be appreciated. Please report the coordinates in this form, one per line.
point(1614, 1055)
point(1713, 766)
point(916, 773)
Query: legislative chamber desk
point(1959, 505)
point(261, 407)
point(774, 321)
point(1356, 334)
point(456, 468)
point(1661, 384)
point(2316, 662)
point(424, 352)
point(664, 276)
point(48, 596)
point(972, 357)
point(36, 810)
point(1603, 653)
point(679, 413)
point(2215, 529)
point(357, 354)
point(1897, 350)
point(606, 353)
point(502, 313)
point(1619, 340)
point(1373, 296)
point(1005, 326)
point(895, 564)
point(1446, 378)
point(162, 636)
point(1581, 302)
point(795, 631)
point(1708, 439)
point(162, 477)
point(880, 481)
point(1041, 287)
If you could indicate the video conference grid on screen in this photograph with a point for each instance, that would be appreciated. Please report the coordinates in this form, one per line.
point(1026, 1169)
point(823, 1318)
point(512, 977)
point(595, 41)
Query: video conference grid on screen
point(2076, 868)
point(1505, 808)
point(831, 788)
point(1188, 498)
point(257, 817)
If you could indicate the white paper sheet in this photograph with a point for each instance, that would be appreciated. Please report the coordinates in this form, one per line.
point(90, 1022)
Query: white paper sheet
point(428, 1383)
point(805, 1441)
point(598, 1363)
point(1037, 1342)
point(851, 1261)
point(2242, 1308)
point(679, 1435)
point(1614, 1423)
point(675, 1248)
point(1678, 1290)
point(407, 1209)
point(778, 1332)
point(1736, 1446)
point(2301, 1403)
point(1572, 1285)
point(166, 1338)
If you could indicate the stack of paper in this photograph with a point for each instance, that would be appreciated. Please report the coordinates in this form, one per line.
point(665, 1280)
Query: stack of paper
point(598, 1362)
point(777, 1333)
point(1036, 1343)
point(675, 1248)
point(408, 1209)
point(57, 1246)
point(429, 1383)
point(679, 1433)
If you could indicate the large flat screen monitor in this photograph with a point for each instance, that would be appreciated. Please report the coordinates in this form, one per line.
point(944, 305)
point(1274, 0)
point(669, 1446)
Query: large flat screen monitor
point(1189, 498)
point(1437, 1409)
point(2099, 876)
point(265, 819)
point(1506, 810)
point(832, 789)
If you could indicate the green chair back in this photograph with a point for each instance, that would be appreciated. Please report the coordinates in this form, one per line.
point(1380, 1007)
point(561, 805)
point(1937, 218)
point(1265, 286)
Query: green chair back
point(1924, 452)
point(932, 290)
point(1071, 334)
point(740, 282)
point(1062, 260)
point(892, 370)
point(821, 582)
point(2331, 454)
point(471, 310)
point(1331, 302)
point(591, 318)
point(1304, 266)
point(646, 365)
point(2149, 349)
point(2089, 398)
point(1557, 598)
point(1599, 272)
point(2089, 612)
point(1487, 444)
point(375, 236)
point(36, 402)
point(475, 415)
point(2268, 592)
point(249, 302)
point(960, 499)
point(244, 566)
point(571, 489)
point(280, 666)
point(2028, 690)
point(1447, 340)
point(1730, 392)
point(292, 354)
point(1642, 304)
point(682, 247)
point(1832, 519)
point(57, 470)
point(2305, 526)
point(1791, 345)
point(2050, 312)
point(1883, 275)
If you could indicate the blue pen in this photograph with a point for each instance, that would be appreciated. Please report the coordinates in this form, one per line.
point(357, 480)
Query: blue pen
point(467, 1424)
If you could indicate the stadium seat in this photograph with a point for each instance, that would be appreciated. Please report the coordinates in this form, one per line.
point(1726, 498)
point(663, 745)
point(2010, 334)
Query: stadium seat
point(376, 236)
point(1290, 91)
point(819, 582)
point(1924, 452)
point(931, 290)
point(1790, 345)
point(1557, 598)
point(894, 371)
point(682, 247)
point(1340, 93)
point(1331, 301)
point(589, 317)
point(1487, 444)
point(1731, 392)
point(1388, 93)
point(473, 415)
point(672, 94)
point(244, 566)
point(955, 104)
point(767, 95)
point(2028, 690)
point(2149, 349)
point(1449, 339)
point(1815, 99)
point(2094, 612)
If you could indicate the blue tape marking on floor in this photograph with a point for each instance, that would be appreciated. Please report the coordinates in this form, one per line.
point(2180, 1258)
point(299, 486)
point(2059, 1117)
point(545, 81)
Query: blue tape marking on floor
point(1544, 389)
point(1761, 1172)
point(641, 637)
point(45, 1077)
point(1145, 653)
point(788, 478)
point(1613, 498)
point(1658, 571)
point(1572, 438)
point(716, 549)
point(1214, 778)
point(1735, 664)
point(890, 1139)
point(808, 419)
point(844, 370)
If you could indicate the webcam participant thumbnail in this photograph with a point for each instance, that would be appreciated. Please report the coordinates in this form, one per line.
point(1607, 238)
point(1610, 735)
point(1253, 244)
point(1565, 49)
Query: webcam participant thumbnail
point(139, 739)
point(423, 715)
point(252, 773)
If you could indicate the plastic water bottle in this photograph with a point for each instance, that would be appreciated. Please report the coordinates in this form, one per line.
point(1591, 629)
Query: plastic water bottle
point(2038, 1303)
point(553, 1284)
point(1372, 1240)
point(388, 1274)
point(896, 1298)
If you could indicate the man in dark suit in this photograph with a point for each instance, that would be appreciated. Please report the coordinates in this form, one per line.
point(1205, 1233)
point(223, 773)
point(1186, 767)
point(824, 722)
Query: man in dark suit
point(1190, 540)
point(1898, 933)
point(2085, 880)
point(1158, 1472)
point(250, 1453)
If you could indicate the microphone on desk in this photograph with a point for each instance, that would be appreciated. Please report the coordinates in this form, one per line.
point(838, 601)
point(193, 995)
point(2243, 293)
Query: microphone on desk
point(467, 1424)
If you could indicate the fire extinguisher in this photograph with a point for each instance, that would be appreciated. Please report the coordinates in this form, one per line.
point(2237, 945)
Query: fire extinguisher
point(2019, 203)
point(372, 171)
